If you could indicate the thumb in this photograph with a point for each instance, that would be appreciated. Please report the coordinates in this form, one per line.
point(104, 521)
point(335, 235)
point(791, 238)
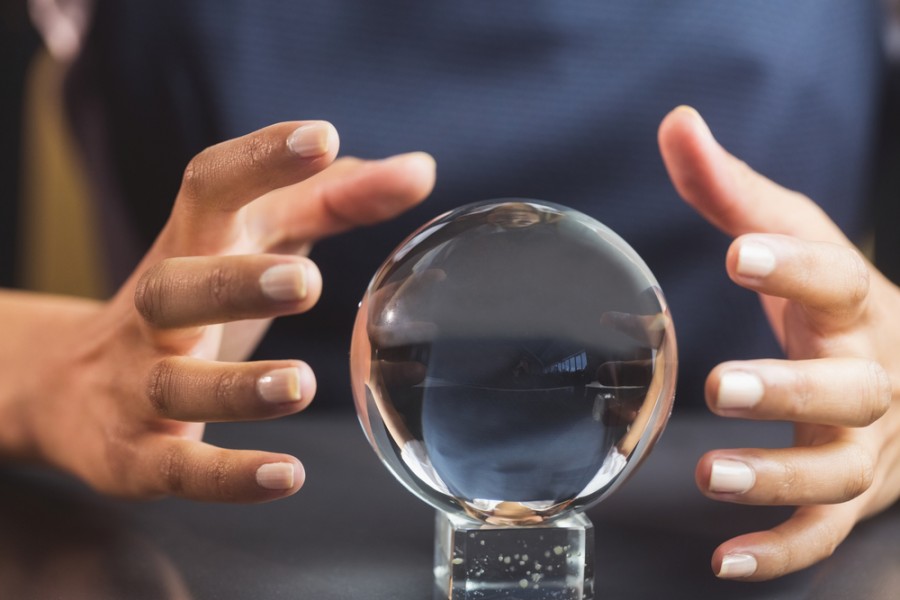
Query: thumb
point(727, 192)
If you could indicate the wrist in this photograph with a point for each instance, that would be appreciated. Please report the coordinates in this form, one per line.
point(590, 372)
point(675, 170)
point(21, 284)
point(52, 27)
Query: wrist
point(33, 352)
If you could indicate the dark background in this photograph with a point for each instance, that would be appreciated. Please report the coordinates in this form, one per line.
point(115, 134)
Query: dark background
point(18, 43)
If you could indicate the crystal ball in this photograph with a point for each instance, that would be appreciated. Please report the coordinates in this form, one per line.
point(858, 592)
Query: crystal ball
point(513, 360)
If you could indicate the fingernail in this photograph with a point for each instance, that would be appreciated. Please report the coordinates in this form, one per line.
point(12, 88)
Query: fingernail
point(739, 389)
point(424, 160)
point(310, 140)
point(276, 476)
point(694, 114)
point(280, 385)
point(731, 477)
point(735, 566)
point(284, 283)
point(755, 260)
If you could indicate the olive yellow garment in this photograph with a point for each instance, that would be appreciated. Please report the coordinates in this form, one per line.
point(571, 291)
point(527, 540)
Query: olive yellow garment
point(60, 242)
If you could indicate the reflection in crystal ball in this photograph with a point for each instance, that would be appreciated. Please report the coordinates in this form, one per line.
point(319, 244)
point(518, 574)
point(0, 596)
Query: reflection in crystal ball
point(512, 360)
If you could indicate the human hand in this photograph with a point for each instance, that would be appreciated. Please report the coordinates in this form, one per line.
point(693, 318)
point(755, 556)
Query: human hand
point(118, 392)
point(835, 316)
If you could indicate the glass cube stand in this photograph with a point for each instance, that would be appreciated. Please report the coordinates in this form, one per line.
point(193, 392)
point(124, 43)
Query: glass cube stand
point(549, 561)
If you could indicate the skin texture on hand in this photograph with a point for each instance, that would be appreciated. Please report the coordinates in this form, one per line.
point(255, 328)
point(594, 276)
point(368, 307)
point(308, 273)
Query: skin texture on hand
point(835, 316)
point(117, 392)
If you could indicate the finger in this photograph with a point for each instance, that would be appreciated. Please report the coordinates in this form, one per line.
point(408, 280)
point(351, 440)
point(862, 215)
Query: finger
point(189, 389)
point(830, 281)
point(350, 193)
point(810, 535)
point(200, 290)
point(199, 471)
point(729, 193)
point(225, 177)
point(848, 392)
point(829, 473)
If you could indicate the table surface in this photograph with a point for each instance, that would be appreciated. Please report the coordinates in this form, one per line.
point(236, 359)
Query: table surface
point(353, 532)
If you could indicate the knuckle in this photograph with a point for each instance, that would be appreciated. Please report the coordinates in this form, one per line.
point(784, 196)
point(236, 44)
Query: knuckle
point(226, 388)
point(222, 284)
point(808, 542)
point(149, 295)
point(861, 473)
point(785, 491)
point(802, 395)
point(828, 534)
point(858, 279)
point(218, 476)
point(877, 393)
point(257, 151)
point(195, 176)
point(172, 466)
point(161, 387)
point(119, 457)
point(830, 540)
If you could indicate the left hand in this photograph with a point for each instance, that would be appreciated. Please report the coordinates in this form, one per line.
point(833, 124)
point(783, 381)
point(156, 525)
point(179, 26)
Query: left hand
point(117, 393)
point(837, 319)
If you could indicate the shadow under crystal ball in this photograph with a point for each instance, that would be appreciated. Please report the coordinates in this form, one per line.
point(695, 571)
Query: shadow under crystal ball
point(512, 360)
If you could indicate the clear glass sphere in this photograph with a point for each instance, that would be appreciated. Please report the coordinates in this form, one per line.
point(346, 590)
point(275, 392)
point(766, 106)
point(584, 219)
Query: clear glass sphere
point(512, 360)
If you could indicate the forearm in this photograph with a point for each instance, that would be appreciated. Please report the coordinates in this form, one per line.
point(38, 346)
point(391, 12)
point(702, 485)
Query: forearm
point(35, 329)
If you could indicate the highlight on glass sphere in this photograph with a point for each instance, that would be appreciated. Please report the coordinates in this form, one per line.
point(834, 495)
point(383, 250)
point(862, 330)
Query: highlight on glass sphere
point(513, 360)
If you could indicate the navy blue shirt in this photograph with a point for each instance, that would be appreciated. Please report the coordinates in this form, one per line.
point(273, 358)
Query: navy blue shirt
point(551, 99)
